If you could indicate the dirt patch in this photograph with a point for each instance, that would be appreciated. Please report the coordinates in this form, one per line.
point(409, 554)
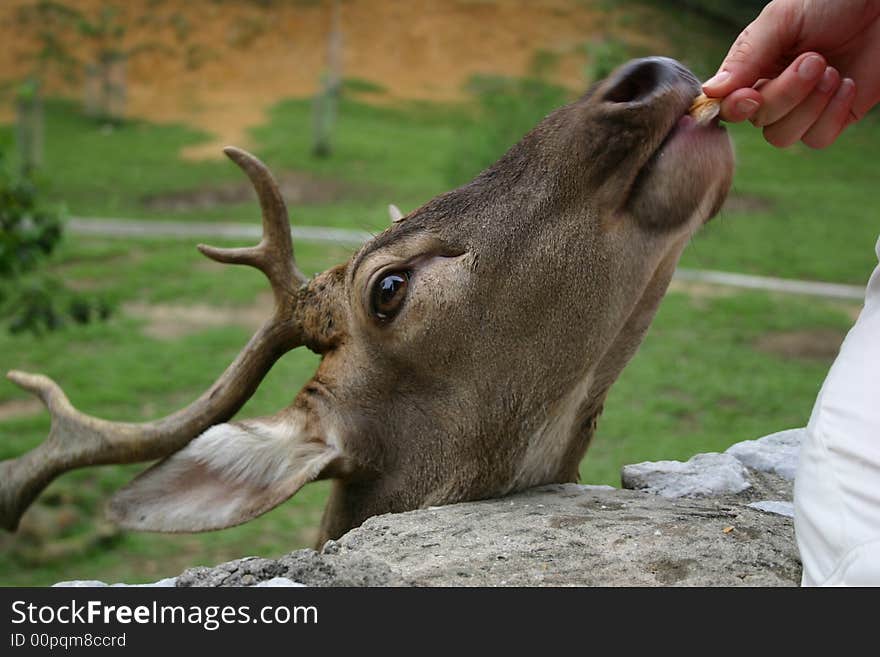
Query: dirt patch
point(85, 284)
point(851, 310)
point(815, 344)
point(297, 189)
point(670, 571)
point(169, 322)
point(15, 408)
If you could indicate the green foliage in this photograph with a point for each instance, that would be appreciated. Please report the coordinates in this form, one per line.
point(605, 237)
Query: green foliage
point(56, 22)
point(79, 44)
point(39, 304)
point(30, 230)
point(48, 20)
point(508, 109)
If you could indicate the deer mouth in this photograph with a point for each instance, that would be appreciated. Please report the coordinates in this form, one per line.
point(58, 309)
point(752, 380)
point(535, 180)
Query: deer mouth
point(687, 127)
point(690, 140)
point(686, 179)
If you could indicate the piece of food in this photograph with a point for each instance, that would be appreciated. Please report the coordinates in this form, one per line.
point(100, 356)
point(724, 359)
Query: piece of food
point(705, 109)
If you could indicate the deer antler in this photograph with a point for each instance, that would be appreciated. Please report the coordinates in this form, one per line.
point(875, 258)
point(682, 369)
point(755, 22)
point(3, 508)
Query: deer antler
point(77, 440)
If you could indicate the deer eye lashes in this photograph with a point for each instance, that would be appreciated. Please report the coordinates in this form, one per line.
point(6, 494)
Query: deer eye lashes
point(388, 294)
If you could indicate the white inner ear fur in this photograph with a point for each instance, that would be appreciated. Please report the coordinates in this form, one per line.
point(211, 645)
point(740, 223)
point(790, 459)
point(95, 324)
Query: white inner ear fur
point(226, 476)
point(394, 213)
point(252, 452)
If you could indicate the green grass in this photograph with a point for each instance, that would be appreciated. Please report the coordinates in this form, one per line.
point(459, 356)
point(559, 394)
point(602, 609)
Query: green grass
point(105, 171)
point(813, 213)
point(700, 382)
point(381, 155)
point(404, 149)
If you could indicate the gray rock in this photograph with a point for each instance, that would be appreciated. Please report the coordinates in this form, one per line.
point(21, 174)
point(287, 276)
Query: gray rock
point(304, 566)
point(715, 520)
point(162, 583)
point(780, 507)
point(702, 475)
point(167, 582)
point(555, 535)
point(776, 453)
point(80, 583)
point(278, 582)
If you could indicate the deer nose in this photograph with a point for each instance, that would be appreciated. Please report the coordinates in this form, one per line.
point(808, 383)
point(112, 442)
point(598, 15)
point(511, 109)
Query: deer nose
point(642, 80)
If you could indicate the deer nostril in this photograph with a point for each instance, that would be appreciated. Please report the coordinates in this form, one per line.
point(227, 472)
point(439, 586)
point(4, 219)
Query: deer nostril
point(641, 79)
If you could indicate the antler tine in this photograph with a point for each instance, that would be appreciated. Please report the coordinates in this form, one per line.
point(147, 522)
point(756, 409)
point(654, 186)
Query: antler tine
point(76, 440)
point(274, 254)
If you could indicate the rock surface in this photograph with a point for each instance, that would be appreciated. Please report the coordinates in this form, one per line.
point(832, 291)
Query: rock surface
point(704, 474)
point(780, 507)
point(167, 582)
point(775, 454)
point(716, 520)
point(562, 535)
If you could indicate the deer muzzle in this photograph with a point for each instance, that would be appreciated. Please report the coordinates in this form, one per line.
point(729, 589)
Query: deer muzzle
point(687, 164)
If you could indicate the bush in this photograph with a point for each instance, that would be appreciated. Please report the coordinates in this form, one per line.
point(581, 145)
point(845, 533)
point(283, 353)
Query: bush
point(30, 230)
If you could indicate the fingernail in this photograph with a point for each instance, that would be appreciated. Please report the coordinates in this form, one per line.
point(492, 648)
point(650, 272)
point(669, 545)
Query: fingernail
point(826, 84)
point(747, 107)
point(719, 78)
point(847, 88)
point(811, 68)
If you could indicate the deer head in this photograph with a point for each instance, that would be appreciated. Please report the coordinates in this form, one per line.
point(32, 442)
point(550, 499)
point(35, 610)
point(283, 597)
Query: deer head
point(467, 350)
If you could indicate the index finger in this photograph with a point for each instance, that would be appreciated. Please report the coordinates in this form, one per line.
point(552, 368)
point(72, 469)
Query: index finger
point(756, 53)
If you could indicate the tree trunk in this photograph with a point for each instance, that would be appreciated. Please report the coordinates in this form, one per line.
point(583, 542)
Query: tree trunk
point(327, 100)
point(29, 128)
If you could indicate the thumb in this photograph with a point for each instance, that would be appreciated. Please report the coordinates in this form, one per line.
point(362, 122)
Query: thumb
point(755, 54)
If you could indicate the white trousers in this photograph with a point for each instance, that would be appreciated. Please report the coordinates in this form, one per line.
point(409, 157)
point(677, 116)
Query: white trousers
point(837, 488)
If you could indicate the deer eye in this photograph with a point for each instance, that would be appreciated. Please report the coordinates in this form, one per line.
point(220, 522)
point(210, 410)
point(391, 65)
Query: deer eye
point(388, 295)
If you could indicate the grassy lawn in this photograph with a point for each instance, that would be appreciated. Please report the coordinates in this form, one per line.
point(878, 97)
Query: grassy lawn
point(715, 371)
point(798, 213)
point(382, 155)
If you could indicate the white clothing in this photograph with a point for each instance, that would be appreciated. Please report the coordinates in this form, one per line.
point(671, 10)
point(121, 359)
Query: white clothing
point(837, 487)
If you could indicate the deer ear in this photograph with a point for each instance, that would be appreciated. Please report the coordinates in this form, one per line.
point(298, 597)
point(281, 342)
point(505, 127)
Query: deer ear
point(394, 213)
point(226, 476)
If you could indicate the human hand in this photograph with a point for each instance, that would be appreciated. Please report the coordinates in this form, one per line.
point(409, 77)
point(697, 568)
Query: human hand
point(803, 70)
